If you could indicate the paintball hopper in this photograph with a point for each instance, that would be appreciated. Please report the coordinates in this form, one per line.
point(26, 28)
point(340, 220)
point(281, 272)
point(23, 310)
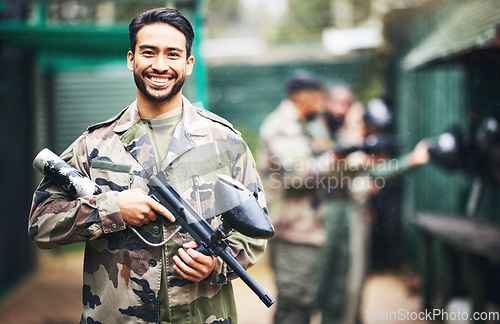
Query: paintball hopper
point(480, 155)
point(64, 175)
point(240, 210)
point(446, 150)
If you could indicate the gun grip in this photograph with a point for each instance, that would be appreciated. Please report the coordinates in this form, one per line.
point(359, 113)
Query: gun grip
point(202, 250)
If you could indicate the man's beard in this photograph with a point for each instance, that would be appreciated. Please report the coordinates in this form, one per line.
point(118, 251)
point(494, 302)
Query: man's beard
point(141, 85)
point(310, 116)
point(334, 122)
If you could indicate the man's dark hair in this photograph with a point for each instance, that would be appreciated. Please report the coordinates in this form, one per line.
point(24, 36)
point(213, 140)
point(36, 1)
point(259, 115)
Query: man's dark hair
point(302, 81)
point(167, 16)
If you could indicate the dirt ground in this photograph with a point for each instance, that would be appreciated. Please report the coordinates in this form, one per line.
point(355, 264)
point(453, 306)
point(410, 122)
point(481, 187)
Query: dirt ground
point(52, 295)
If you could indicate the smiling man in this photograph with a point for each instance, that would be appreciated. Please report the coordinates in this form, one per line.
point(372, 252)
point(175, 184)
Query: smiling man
point(160, 62)
point(125, 279)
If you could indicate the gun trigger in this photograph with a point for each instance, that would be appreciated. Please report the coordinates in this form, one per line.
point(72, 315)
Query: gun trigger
point(154, 197)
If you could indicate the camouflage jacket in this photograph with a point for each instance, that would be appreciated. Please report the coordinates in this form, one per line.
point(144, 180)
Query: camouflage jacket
point(294, 163)
point(122, 275)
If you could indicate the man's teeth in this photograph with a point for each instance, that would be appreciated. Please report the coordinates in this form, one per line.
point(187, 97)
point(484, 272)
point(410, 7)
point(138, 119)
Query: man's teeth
point(159, 80)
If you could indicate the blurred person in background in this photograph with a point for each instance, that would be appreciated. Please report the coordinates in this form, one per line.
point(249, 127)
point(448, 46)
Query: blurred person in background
point(126, 280)
point(362, 169)
point(291, 162)
point(339, 98)
point(384, 205)
point(334, 261)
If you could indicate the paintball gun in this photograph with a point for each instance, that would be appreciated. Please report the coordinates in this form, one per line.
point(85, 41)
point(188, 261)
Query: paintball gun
point(477, 154)
point(236, 204)
point(373, 144)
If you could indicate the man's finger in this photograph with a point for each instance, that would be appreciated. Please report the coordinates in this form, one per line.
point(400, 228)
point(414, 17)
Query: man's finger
point(159, 208)
point(185, 268)
point(198, 256)
point(187, 259)
point(185, 275)
point(142, 220)
point(151, 215)
point(190, 245)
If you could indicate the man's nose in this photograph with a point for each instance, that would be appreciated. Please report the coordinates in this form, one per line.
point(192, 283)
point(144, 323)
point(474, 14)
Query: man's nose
point(161, 63)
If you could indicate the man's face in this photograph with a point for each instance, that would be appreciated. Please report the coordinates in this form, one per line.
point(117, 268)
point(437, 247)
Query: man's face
point(339, 101)
point(159, 63)
point(309, 102)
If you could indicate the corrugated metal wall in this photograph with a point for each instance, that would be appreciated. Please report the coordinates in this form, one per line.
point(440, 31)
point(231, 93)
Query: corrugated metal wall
point(83, 98)
point(430, 102)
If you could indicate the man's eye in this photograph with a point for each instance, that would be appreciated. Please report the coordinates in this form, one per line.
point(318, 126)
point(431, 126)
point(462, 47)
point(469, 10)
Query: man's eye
point(174, 55)
point(148, 53)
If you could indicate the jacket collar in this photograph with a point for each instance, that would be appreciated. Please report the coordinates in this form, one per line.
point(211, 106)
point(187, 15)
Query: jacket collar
point(190, 118)
point(190, 132)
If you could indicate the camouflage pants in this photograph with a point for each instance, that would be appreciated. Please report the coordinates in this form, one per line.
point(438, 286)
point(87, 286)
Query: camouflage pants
point(295, 270)
point(342, 263)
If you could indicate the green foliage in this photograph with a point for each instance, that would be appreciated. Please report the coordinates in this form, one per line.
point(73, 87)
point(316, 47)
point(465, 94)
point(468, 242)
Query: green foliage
point(220, 16)
point(305, 20)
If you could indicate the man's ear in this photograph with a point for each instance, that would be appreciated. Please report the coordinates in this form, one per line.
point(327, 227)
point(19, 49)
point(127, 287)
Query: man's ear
point(130, 60)
point(189, 65)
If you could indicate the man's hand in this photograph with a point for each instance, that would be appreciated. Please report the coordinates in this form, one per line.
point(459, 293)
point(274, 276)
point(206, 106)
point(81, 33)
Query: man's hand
point(420, 154)
point(138, 208)
point(193, 265)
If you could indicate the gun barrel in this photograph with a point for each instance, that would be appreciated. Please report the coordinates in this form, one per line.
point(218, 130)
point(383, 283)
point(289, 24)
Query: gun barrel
point(251, 283)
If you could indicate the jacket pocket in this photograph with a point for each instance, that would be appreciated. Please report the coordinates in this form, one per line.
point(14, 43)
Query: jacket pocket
point(110, 175)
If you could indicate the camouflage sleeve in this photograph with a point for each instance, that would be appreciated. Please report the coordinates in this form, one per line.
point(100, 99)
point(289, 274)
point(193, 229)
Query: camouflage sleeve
point(57, 219)
point(246, 250)
point(390, 168)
